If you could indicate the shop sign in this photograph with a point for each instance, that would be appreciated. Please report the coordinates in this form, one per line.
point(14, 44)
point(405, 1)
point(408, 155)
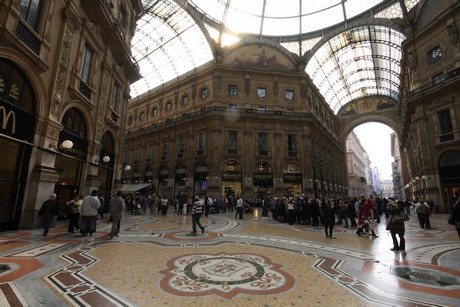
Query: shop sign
point(231, 176)
point(292, 177)
point(12, 122)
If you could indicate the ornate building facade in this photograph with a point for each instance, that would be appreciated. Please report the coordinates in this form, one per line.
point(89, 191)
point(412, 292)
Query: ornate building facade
point(251, 124)
point(430, 103)
point(358, 164)
point(65, 72)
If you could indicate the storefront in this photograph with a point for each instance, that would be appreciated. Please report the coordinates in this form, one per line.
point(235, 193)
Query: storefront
point(292, 178)
point(262, 181)
point(232, 176)
point(17, 106)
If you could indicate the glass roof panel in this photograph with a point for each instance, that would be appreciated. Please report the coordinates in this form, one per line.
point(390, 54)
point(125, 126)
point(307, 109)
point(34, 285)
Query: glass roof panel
point(322, 19)
point(307, 16)
point(357, 62)
point(167, 44)
point(356, 7)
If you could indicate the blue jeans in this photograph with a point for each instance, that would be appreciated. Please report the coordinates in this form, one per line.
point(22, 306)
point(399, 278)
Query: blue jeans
point(88, 225)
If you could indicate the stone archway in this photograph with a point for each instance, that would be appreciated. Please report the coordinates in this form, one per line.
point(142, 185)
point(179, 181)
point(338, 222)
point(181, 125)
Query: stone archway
point(369, 110)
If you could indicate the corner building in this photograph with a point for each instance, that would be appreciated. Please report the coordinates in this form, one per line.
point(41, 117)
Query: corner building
point(65, 72)
point(251, 123)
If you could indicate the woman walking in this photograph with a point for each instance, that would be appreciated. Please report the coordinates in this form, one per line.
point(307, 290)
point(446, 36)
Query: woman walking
point(74, 213)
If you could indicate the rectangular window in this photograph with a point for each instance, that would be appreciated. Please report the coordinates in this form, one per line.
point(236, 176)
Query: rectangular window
point(204, 93)
point(181, 148)
point(445, 126)
point(29, 11)
point(149, 152)
point(262, 142)
point(85, 69)
point(185, 100)
point(168, 106)
point(164, 150)
point(262, 110)
point(154, 111)
point(439, 78)
point(114, 102)
point(233, 90)
point(434, 55)
point(232, 107)
point(232, 138)
point(137, 155)
point(290, 112)
point(201, 141)
point(292, 143)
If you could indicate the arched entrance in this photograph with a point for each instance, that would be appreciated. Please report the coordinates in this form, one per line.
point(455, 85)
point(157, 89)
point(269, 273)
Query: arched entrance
point(292, 178)
point(163, 180)
point(262, 181)
point(17, 107)
point(232, 177)
point(69, 162)
point(179, 180)
point(201, 178)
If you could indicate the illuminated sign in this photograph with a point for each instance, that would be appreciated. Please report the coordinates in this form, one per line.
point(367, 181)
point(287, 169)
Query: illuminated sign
point(16, 122)
point(5, 117)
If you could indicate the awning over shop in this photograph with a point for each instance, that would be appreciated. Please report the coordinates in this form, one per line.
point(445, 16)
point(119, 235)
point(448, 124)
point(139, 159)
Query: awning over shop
point(135, 187)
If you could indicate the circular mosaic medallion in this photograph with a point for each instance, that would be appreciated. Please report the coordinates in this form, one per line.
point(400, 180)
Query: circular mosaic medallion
point(224, 274)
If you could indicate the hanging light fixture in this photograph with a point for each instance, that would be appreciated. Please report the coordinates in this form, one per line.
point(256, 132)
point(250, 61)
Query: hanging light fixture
point(106, 159)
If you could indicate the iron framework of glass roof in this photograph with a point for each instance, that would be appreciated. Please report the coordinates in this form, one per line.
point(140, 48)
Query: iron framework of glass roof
point(174, 37)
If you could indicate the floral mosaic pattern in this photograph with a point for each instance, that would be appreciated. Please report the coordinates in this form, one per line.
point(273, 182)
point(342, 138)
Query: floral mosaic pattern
point(224, 274)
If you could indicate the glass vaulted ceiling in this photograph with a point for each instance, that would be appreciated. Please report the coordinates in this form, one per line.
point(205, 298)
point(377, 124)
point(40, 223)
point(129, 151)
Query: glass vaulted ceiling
point(173, 37)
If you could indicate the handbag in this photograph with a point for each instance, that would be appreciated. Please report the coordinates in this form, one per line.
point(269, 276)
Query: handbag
point(401, 217)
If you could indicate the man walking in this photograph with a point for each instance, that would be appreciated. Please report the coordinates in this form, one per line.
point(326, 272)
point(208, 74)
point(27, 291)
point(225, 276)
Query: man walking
point(197, 210)
point(49, 210)
point(116, 206)
point(89, 210)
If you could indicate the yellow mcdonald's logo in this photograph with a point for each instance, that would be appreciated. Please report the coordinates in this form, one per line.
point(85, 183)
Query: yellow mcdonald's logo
point(6, 118)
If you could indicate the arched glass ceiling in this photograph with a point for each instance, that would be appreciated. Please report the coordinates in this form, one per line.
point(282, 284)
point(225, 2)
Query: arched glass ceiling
point(167, 44)
point(363, 61)
point(281, 17)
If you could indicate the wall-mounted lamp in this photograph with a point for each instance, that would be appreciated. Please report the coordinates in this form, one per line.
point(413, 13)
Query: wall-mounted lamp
point(425, 177)
point(417, 178)
point(106, 159)
point(66, 145)
point(413, 180)
point(316, 180)
point(310, 180)
point(127, 168)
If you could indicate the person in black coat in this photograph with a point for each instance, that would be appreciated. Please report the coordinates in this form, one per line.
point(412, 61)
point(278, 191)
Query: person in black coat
point(396, 228)
point(48, 210)
point(328, 217)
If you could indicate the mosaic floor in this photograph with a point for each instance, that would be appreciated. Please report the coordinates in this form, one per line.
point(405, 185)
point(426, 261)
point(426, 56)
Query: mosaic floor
point(251, 262)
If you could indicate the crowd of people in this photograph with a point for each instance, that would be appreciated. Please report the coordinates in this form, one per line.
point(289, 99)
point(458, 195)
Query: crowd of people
point(359, 212)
